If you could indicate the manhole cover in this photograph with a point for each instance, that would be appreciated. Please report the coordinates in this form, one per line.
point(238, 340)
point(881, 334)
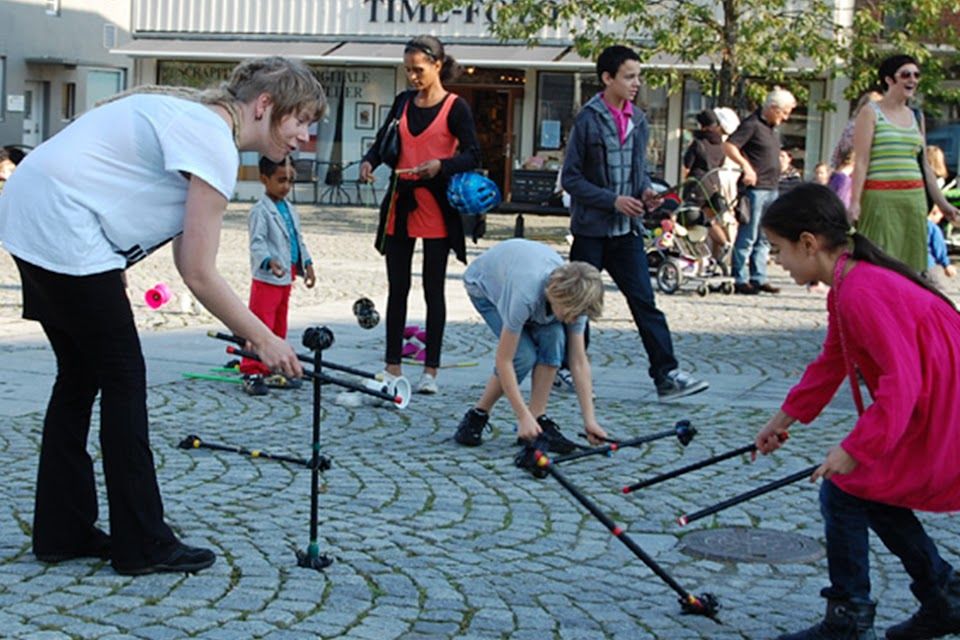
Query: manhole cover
point(741, 544)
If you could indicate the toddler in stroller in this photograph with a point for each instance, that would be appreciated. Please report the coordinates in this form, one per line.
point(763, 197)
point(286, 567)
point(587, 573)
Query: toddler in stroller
point(691, 243)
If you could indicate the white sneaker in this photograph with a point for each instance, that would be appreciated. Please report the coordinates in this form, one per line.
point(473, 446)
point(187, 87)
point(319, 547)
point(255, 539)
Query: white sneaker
point(563, 382)
point(427, 385)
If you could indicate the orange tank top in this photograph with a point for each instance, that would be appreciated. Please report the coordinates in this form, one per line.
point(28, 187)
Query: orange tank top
point(433, 143)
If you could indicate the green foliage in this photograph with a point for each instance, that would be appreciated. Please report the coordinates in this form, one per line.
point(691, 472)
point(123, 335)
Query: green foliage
point(749, 45)
point(913, 27)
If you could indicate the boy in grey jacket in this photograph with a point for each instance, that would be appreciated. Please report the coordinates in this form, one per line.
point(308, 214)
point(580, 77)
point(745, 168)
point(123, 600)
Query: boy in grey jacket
point(277, 256)
point(605, 173)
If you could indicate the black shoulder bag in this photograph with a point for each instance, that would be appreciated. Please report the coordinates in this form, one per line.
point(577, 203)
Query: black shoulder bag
point(389, 147)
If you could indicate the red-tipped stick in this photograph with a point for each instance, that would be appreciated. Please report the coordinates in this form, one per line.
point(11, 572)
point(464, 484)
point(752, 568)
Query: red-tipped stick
point(704, 605)
point(684, 520)
point(690, 467)
point(300, 356)
point(325, 378)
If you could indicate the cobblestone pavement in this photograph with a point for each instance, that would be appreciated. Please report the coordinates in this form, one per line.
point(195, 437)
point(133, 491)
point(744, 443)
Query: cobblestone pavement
point(431, 540)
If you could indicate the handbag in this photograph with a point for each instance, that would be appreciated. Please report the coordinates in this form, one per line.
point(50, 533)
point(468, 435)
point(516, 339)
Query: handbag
point(389, 147)
point(923, 175)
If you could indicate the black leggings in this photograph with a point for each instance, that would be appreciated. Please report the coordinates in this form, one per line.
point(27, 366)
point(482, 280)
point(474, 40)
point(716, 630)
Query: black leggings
point(399, 254)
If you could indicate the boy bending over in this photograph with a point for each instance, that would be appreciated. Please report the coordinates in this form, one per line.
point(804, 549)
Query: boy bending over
point(538, 306)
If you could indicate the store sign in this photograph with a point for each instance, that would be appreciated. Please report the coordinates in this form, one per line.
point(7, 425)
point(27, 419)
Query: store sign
point(413, 12)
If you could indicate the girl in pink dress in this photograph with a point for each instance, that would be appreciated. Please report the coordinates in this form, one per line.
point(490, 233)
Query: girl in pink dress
point(903, 338)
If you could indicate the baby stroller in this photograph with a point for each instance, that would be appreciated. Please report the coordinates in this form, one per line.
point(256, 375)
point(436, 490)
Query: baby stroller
point(678, 250)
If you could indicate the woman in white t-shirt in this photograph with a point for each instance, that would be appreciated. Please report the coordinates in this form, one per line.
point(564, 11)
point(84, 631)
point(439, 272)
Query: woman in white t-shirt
point(155, 165)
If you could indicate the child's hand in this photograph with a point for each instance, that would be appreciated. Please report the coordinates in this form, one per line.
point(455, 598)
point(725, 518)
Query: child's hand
point(310, 277)
point(595, 433)
point(366, 172)
point(950, 270)
point(773, 434)
point(428, 169)
point(276, 268)
point(527, 428)
point(838, 461)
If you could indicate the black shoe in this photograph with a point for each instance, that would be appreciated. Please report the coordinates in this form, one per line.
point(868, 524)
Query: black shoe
point(183, 559)
point(470, 430)
point(550, 433)
point(766, 287)
point(254, 385)
point(844, 620)
point(938, 616)
point(97, 547)
point(745, 288)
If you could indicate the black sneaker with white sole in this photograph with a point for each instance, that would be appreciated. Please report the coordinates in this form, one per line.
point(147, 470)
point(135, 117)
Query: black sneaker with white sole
point(550, 433)
point(679, 384)
point(470, 430)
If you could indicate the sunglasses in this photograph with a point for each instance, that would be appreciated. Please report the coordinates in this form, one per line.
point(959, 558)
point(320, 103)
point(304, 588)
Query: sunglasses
point(906, 75)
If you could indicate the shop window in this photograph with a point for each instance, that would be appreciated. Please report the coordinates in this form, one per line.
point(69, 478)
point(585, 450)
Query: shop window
point(52, 8)
point(68, 102)
point(102, 83)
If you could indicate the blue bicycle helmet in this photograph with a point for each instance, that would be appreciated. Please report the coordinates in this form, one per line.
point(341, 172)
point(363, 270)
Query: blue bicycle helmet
point(472, 194)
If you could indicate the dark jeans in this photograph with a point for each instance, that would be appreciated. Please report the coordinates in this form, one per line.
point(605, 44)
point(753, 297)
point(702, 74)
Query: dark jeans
point(846, 519)
point(399, 255)
point(625, 259)
point(90, 327)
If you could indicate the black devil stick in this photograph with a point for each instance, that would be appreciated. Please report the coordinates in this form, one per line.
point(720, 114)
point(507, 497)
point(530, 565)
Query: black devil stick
point(749, 495)
point(690, 467)
point(750, 448)
point(302, 357)
point(325, 378)
point(683, 431)
point(194, 442)
point(705, 604)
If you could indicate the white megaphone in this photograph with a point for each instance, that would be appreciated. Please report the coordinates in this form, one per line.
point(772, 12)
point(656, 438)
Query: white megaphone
point(398, 387)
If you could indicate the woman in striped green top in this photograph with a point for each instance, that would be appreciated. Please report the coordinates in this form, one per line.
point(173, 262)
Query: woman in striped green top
point(888, 196)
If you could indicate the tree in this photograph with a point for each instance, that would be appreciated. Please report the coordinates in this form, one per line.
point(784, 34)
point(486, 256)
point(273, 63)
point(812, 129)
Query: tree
point(918, 28)
point(751, 45)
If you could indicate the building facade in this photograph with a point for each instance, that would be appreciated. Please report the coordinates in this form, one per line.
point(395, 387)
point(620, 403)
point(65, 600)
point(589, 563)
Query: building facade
point(55, 63)
point(523, 98)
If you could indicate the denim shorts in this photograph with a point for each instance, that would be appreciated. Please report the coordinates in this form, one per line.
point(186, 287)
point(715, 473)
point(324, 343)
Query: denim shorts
point(539, 343)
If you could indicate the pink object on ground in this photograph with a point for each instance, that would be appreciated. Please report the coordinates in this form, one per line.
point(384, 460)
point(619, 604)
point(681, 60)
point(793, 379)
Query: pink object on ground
point(158, 296)
point(411, 330)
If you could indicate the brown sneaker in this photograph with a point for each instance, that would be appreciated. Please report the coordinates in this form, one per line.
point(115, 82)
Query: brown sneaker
point(745, 288)
point(766, 287)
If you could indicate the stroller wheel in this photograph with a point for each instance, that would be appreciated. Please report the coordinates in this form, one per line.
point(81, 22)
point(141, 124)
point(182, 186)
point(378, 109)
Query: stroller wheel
point(669, 276)
point(727, 287)
point(702, 291)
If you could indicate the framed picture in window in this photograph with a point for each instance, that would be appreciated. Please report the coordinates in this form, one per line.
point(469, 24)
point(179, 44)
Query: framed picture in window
point(365, 143)
point(384, 113)
point(364, 115)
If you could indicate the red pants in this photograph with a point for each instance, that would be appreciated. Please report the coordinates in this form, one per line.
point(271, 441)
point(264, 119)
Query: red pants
point(269, 302)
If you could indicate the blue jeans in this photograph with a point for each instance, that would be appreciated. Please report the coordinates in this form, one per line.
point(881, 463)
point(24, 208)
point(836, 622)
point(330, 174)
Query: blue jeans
point(625, 259)
point(539, 343)
point(846, 519)
point(751, 248)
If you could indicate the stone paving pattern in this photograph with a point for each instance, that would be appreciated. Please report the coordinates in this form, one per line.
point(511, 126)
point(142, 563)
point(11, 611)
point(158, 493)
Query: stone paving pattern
point(432, 540)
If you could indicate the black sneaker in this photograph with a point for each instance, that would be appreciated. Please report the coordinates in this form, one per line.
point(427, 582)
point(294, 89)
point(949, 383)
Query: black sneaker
point(470, 430)
point(184, 559)
point(678, 384)
point(554, 439)
point(254, 385)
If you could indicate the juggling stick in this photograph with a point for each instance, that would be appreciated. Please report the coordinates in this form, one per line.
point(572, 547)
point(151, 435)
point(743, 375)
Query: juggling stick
point(750, 448)
point(684, 520)
point(194, 442)
point(683, 431)
point(540, 465)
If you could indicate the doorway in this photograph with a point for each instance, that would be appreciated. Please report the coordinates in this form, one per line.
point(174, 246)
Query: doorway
point(33, 124)
point(495, 112)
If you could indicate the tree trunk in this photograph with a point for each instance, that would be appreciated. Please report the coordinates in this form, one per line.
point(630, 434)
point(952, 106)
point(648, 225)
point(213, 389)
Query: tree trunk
point(728, 64)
